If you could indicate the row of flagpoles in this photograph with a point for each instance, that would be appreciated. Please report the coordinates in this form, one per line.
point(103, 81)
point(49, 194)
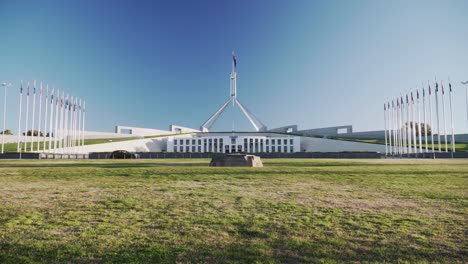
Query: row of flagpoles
point(403, 129)
point(63, 121)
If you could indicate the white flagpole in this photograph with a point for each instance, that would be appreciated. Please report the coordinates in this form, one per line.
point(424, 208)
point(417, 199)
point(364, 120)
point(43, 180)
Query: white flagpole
point(403, 124)
point(413, 113)
point(390, 128)
point(66, 125)
point(51, 117)
point(437, 114)
point(57, 97)
point(27, 117)
point(18, 148)
point(74, 124)
point(83, 126)
point(38, 139)
point(385, 127)
point(393, 128)
point(45, 119)
point(79, 130)
point(443, 115)
point(33, 117)
point(61, 143)
point(424, 110)
point(451, 117)
point(430, 115)
point(408, 125)
point(398, 126)
point(419, 122)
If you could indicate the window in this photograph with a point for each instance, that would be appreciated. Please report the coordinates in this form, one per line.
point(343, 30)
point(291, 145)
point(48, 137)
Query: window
point(233, 140)
point(291, 149)
point(175, 148)
point(187, 149)
point(272, 141)
point(285, 142)
point(279, 141)
point(199, 149)
point(199, 142)
point(181, 142)
point(291, 141)
point(175, 142)
point(193, 148)
point(267, 149)
point(187, 141)
point(273, 149)
point(285, 149)
point(193, 141)
point(267, 141)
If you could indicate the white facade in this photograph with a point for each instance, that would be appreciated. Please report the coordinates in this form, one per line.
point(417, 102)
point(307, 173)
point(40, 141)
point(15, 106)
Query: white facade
point(233, 142)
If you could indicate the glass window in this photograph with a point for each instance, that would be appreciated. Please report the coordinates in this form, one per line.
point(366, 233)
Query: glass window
point(187, 141)
point(181, 141)
point(291, 141)
point(279, 141)
point(193, 148)
point(285, 141)
point(193, 141)
point(291, 149)
point(187, 149)
point(273, 149)
point(199, 142)
point(267, 141)
point(285, 149)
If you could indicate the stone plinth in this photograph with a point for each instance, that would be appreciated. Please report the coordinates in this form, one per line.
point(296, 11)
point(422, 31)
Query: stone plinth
point(236, 160)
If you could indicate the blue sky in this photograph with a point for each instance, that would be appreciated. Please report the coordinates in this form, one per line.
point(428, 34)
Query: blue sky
point(311, 63)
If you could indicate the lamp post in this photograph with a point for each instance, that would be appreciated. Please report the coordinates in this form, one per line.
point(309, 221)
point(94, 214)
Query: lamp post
point(466, 89)
point(5, 85)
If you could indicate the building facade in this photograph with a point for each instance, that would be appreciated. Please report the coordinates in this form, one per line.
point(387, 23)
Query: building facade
point(235, 142)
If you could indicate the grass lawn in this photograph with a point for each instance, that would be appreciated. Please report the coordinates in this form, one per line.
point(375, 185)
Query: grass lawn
point(293, 211)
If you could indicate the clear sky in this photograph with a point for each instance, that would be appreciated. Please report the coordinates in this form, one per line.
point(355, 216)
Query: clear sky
point(311, 63)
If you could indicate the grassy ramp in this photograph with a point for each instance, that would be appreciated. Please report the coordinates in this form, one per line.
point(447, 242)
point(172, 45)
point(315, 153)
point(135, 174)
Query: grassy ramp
point(182, 211)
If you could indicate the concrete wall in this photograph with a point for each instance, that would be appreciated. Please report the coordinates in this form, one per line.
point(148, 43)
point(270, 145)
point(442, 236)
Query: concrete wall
point(285, 129)
point(326, 131)
point(330, 145)
point(137, 145)
point(139, 131)
point(180, 129)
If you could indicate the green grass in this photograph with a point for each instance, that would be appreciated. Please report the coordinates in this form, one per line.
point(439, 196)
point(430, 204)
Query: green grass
point(292, 211)
point(12, 147)
point(459, 147)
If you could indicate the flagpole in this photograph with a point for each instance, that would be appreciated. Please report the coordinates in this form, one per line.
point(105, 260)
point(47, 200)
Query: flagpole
point(424, 109)
point(389, 127)
point(75, 125)
point(403, 126)
point(45, 119)
point(437, 114)
point(27, 117)
point(83, 126)
point(419, 122)
point(413, 113)
point(18, 148)
point(51, 117)
point(451, 117)
point(57, 95)
point(408, 125)
point(66, 125)
point(400, 142)
point(79, 130)
point(443, 115)
point(5, 85)
point(61, 143)
point(430, 116)
point(40, 119)
point(33, 117)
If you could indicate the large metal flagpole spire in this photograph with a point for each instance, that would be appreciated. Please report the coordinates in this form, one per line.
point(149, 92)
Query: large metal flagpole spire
point(443, 116)
point(254, 121)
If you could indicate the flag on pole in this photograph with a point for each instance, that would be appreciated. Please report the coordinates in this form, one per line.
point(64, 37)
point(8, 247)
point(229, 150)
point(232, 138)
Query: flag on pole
point(234, 59)
point(18, 147)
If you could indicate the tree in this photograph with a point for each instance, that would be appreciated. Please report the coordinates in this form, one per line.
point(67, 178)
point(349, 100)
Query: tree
point(414, 125)
point(7, 132)
point(34, 133)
